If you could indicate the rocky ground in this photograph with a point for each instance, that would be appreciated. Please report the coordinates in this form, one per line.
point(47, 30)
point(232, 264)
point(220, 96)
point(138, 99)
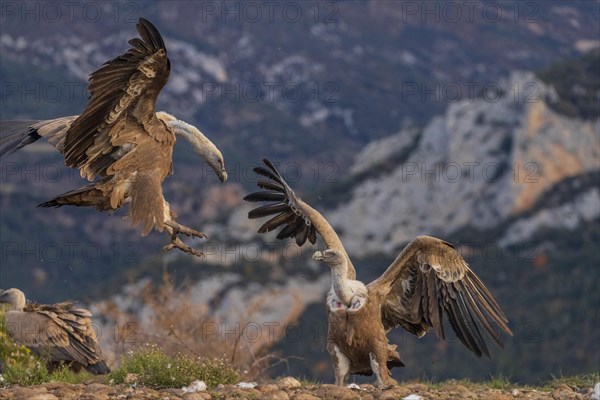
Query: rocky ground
point(290, 388)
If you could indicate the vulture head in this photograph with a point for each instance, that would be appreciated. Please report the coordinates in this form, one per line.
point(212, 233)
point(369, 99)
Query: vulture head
point(200, 143)
point(14, 297)
point(335, 259)
point(347, 293)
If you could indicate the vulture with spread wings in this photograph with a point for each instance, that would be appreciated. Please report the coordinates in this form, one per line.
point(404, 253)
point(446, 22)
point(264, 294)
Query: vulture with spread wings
point(60, 332)
point(120, 143)
point(429, 279)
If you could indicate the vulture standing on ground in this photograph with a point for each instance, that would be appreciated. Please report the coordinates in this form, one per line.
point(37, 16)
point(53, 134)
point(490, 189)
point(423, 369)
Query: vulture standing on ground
point(427, 280)
point(120, 143)
point(60, 332)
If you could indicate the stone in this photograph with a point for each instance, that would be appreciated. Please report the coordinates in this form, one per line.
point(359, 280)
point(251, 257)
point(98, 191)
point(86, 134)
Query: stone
point(304, 396)
point(288, 382)
point(269, 387)
point(276, 395)
point(197, 396)
point(336, 392)
point(43, 396)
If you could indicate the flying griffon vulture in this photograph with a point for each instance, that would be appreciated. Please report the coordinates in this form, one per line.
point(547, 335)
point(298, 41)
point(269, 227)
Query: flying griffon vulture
point(120, 143)
point(60, 332)
point(427, 280)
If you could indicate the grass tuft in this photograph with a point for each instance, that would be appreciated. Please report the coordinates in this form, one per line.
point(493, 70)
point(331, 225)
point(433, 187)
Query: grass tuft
point(500, 381)
point(155, 369)
point(575, 381)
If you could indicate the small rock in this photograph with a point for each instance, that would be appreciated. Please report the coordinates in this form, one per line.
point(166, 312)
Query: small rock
point(269, 387)
point(417, 387)
point(367, 386)
point(397, 392)
point(336, 392)
point(276, 395)
point(43, 396)
point(246, 385)
point(288, 382)
point(131, 378)
point(197, 396)
point(596, 395)
point(304, 396)
point(196, 386)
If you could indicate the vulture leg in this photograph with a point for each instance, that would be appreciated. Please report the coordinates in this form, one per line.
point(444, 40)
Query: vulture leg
point(380, 369)
point(176, 243)
point(341, 365)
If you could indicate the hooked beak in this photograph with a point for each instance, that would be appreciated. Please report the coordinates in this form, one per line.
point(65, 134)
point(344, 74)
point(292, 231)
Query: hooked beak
point(318, 256)
point(223, 175)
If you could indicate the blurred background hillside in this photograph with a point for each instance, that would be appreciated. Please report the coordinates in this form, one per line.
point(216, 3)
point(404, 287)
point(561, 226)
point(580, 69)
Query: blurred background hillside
point(476, 122)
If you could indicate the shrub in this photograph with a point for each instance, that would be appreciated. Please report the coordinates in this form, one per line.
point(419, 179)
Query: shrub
point(153, 368)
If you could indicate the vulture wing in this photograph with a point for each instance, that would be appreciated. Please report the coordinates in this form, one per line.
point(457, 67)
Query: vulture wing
point(121, 107)
point(63, 331)
point(429, 278)
point(298, 219)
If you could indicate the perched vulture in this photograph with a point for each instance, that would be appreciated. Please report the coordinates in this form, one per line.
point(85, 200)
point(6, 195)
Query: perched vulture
point(120, 143)
point(60, 332)
point(428, 280)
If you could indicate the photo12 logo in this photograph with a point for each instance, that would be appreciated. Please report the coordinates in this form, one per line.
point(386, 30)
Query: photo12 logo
point(270, 11)
point(68, 11)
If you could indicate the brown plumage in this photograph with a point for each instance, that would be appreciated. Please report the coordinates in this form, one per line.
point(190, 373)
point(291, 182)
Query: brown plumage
point(120, 143)
point(428, 281)
point(58, 332)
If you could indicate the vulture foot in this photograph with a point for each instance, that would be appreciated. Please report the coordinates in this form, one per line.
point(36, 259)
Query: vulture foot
point(178, 228)
point(176, 243)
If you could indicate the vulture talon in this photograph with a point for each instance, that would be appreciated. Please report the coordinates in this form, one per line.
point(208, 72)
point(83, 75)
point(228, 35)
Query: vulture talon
point(184, 230)
point(178, 244)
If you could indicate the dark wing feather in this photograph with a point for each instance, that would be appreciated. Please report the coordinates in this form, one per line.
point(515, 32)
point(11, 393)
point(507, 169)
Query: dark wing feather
point(429, 279)
point(277, 221)
point(123, 96)
point(265, 196)
point(296, 225)
point(269, 209)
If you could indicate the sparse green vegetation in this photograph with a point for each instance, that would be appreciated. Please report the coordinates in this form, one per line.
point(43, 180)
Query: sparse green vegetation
point(500, 382)
point(575, 381)
point(153, 368)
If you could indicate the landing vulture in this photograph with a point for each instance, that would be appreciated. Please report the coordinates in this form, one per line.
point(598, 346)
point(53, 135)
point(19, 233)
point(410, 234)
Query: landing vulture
point(60, 332)
point(120, 143)
point(427, 281)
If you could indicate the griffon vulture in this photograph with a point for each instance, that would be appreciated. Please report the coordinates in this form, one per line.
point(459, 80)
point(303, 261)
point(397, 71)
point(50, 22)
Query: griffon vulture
point(428, 280)
point(60, 332)
point(120, 143)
